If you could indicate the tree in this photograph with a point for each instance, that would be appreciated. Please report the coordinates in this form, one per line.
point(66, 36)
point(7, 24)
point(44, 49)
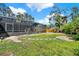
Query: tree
point(25, 17)
point(58, 16)
point(71, 27)
point(3, 11)
point(9, 12)
point(19, 16)
point(74, 13)
point(0, 11)
point(31, 18)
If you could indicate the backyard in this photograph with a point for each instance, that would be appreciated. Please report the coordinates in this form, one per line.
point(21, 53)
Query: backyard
point(41, 31)
point(43, 44)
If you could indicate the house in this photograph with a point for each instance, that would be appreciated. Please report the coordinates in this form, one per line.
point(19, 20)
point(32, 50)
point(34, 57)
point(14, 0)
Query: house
point(13, 27)
point(39, 28)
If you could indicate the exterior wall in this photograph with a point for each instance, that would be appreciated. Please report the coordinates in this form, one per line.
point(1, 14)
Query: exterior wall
point(17, 28)
point(39, 28)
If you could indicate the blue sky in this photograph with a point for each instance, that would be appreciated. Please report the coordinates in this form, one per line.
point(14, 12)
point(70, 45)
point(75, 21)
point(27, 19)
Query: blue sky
point(36, 14)
point(39, 11)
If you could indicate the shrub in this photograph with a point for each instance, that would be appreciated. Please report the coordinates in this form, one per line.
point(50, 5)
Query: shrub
point(76, 37)
point(67, 28)
point(70, 28)
point(76, 51)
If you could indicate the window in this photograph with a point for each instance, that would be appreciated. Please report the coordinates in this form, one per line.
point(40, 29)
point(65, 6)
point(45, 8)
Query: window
point(9, 27)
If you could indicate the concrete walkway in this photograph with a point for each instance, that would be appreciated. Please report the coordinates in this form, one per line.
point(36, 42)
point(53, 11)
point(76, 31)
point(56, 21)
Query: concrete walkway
point(13, 38)
point(66, 38)
point(16, 38)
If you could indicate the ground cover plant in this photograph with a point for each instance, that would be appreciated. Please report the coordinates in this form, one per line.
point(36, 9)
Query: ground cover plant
point(39, 47)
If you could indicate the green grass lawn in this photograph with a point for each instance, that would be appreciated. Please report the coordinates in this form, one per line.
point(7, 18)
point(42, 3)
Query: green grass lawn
point(53, 47)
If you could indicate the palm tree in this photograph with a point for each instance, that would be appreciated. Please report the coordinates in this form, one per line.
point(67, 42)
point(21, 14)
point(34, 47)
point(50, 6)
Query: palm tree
point(9, 12)
point(26, 16)
point(20, 16)
point(30, 18)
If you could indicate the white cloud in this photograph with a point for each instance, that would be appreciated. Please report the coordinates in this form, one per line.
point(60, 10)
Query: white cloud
point(46, 19)
point(62, 15)
point(49, 16)
point(43, 21)
point(16, 10)
point(39, 6)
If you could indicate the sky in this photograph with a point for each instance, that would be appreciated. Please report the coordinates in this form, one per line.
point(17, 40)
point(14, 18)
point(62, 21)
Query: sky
point(40, 11)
